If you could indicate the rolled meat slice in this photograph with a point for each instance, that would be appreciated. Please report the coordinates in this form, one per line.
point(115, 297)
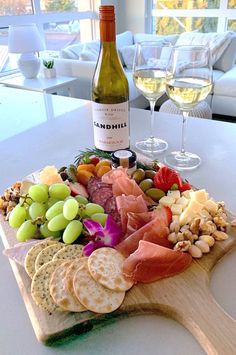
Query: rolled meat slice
point(152, 262)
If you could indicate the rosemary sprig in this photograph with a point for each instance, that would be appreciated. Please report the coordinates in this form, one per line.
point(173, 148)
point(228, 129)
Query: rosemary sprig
point(84, 156)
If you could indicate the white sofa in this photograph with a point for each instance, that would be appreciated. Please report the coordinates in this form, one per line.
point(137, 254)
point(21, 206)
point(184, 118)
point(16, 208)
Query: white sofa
point(79, 60)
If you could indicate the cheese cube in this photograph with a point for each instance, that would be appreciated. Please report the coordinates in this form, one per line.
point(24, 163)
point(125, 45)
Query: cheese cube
point(167, 201)
point(211, 206)
point(176, 209)
point(186, 194)
point(193, 209)
point(175, 194)
point(182, 201)
point(200, 196)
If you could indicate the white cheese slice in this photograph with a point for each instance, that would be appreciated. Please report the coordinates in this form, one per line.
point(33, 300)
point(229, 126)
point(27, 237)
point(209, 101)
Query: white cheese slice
point(167, 201)
point(200, 196)
point(186, 194)
point(182, 201)
point(175, 194)
point(176, 209)
point(211, 206)
point(193, 209)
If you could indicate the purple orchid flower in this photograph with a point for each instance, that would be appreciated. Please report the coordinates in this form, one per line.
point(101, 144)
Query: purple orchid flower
point(99, 236)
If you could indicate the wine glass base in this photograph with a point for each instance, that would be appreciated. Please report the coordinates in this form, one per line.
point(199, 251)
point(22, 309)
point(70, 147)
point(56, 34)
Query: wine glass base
point(152, 145)
point(182, 161)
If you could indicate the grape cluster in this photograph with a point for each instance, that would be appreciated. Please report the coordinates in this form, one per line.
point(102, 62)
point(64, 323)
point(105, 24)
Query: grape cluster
point(53, 212)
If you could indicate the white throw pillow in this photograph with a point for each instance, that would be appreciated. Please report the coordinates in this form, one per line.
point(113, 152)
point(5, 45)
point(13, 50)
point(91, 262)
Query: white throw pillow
point(141, 37)
point(72, 52)
point(90, 52)
point(217, 42)
point(226, 61)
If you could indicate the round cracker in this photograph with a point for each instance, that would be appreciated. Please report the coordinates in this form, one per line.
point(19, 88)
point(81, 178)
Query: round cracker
point(60, 294)
point(32, 255)
point(47, 254)
point(72, 269)
point(70, 252)
point(105, 266)
point(40, 286)
point(93, 295)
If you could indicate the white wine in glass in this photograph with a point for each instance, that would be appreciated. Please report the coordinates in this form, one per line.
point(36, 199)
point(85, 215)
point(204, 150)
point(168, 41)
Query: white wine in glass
point(189, 81)
point(149, 75)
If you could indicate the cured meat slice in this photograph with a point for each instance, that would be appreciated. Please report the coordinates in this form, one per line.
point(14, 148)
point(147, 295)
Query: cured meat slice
point(95, 184)
point(155, 231)
point(152, 262)
point(126, 186)
point(101, 195)
point(111, 208)
point(126, 204)
point(113, 175)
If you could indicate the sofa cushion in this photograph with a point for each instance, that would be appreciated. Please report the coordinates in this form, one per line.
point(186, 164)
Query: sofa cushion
point(90, 51)
point(72, 52)
point(141, 37)
point(122, 40)
point(128, 53)
point(225, 85)
point(226, 61)
point(217, 42)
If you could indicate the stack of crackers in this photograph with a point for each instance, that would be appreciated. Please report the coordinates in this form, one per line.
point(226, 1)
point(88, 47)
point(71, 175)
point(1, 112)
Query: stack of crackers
point(64, 280)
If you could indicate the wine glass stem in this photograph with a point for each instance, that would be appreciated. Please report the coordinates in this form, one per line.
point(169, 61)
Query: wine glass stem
point(152, 108)
point(185, 116)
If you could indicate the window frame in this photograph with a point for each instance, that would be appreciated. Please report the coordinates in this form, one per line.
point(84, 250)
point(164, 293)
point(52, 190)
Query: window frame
point(223, 13)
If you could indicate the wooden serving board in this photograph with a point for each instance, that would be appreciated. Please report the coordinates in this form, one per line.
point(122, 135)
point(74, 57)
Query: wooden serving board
point(185, 297)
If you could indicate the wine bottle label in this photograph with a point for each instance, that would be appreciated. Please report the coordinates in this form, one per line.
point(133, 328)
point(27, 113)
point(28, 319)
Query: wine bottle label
point(111, 126)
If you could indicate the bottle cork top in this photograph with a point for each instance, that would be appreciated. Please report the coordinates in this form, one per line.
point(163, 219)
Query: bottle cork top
point(107, 13)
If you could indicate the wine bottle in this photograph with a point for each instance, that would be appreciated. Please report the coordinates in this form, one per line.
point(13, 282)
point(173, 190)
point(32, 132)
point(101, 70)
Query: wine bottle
point(110, 90)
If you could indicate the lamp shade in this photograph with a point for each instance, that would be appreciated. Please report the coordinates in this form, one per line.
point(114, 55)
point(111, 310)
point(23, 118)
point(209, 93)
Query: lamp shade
point(24, 39)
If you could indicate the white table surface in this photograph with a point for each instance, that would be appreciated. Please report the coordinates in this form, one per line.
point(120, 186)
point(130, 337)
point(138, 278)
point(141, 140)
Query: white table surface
point(40, 83)
point(57, 141)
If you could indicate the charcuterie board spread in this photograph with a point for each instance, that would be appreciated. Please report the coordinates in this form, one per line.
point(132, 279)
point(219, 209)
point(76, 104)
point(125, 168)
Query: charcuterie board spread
point(88, 243)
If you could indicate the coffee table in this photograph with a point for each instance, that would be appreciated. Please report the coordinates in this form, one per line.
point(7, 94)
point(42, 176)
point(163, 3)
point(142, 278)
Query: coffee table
point(57, 141)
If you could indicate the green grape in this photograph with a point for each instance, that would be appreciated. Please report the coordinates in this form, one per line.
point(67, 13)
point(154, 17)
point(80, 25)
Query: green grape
point(59, 191)
point(26, 231)
point(51, 201)
point(72, 231)
point(17, 216)
point(58, 223)
point(38, 193)
point(81, 199)
point(25, 200)
point(36, 210)
point(45, 186)
point(92, 208)
point(56, 209)
point(70, 209)
point(45, 232)
point(100, 218)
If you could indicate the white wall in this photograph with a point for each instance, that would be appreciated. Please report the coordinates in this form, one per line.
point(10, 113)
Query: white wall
point(129, 14)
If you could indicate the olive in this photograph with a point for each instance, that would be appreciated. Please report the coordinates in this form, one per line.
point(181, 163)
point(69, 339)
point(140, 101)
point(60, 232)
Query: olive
point(155, 194)
point(149, 174)
point(138, 175)
point(146, 184)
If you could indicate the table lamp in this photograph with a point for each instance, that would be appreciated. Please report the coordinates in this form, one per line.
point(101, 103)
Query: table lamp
point(26, 39)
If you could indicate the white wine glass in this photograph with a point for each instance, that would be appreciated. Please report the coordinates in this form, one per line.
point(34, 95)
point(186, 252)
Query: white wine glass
point(188, 82)
point(149, 75)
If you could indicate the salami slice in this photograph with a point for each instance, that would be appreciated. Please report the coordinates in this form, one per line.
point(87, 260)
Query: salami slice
point(101, 195)
point(95, 184)
point(111, 208)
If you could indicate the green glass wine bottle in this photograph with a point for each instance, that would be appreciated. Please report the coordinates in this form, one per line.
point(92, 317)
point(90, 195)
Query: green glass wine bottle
point(110, 90)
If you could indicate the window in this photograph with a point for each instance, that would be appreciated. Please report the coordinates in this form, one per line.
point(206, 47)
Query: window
point(171, 16)
point(62, 22)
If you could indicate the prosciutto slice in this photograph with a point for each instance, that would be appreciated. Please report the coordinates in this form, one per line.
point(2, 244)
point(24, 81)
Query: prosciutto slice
point(152, 262)
point(156, 231)
point(127, 204)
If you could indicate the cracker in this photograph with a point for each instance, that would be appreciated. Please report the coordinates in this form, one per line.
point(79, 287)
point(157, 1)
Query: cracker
point(105, 266)
point(32, 255)
point(93, 295)
point(70, 252)
point(72, 269)
point(60, 294)
point(47, 254)
point(40, 286)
